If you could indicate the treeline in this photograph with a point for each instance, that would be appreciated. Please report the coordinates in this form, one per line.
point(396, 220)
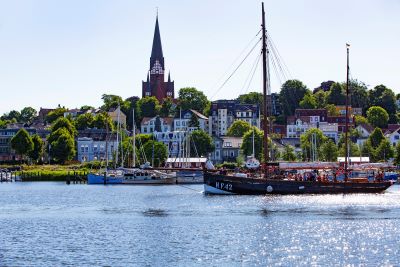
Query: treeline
point(295, 94)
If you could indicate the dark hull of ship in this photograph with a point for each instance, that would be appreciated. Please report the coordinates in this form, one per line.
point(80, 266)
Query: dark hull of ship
point(224, 184)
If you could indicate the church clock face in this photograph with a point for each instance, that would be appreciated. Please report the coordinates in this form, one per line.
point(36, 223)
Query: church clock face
point(157, 68)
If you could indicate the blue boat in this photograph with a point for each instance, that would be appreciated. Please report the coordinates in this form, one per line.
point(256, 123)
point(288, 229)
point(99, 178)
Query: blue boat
point(94, 178)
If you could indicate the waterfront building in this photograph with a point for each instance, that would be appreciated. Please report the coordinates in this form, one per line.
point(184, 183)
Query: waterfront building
point(297, 126)
point(156, 124)
point(91, 145)
point(393, 136)
point(6, 152)
point(225, 112)
point(216, 155)
point(173, 140)
point(155, 85)
point(183, 118)
point(231, 148)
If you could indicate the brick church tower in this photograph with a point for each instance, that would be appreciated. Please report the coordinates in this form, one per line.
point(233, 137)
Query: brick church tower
point(155, 84)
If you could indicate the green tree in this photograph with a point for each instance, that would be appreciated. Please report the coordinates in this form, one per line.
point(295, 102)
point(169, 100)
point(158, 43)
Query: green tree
point(336, 95)
point(358, 95)
point(3, 124)
point(329, 151)
point(360, 120)
point(148, 107)
point(157, 124)
point(191, 98)
point(55, 114)
point(85, 108)
point(66, 124)
point(384, 97)
point(368, 151)
point(194, 121)
point(201, 143)
point(332, 111)
point(21, 142)
point(354, 150)
point(28, 114)
point(238, 128)
point(111, 101)
point(13, 115)
point(102, 121)
point(157, 151)
point(251, 98)
point(292, 92)
point(306, 144)
point(320, 99)
point(247, 144)
point(384, 151)
point(397, 157)
point(84, 121)
point(308, 101)
point(36, 153)
point(62, 145)
point(377, 116)
point(288, 153)
point(375, 138)
point(167, 108)
point(142, 139)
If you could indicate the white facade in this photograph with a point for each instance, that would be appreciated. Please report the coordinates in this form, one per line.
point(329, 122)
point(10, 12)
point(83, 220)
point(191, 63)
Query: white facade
point(300, 127)
point(148, 125)
point(89, 150)
point(296, 129)
point(173, 140)
point(182, 124)
point(394, 137)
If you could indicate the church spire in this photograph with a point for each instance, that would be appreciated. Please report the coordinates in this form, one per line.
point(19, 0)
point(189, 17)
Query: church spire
point(169, 76)
point(156, 51)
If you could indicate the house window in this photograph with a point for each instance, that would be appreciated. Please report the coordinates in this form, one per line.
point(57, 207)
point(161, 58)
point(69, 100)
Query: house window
point(396, 137)
point(82, 148)
point(147, 93)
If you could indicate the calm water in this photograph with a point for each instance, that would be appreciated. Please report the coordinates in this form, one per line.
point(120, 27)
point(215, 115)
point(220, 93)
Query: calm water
point(52, 224)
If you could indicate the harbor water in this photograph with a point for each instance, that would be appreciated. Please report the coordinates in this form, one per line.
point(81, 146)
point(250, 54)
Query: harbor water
point(53, 224)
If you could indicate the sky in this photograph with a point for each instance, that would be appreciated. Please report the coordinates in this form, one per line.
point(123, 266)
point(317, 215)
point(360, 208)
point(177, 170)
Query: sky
point(70, 52)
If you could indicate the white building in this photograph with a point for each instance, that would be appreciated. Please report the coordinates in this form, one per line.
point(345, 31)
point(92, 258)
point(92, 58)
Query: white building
point(225, 112)
point(148, 125)
point(299, 126)
point(182, 121)
point(173, 141)
point(89, 149)
point(393, 137)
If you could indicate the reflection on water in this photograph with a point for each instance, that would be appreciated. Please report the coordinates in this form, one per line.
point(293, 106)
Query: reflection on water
point(79, 225)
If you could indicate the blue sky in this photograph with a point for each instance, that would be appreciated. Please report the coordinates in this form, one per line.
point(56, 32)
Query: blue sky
point(71, 52)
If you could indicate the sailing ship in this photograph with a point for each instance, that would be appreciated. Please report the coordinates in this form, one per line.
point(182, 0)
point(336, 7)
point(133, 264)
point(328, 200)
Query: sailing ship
point(272, 179)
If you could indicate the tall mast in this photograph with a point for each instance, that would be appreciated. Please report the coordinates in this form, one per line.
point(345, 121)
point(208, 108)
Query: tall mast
point(265, 120)
point(134, 137)
point(347, 117)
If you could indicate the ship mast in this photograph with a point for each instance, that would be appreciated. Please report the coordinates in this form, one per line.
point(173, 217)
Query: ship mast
point(265, 115)
point(347, 119)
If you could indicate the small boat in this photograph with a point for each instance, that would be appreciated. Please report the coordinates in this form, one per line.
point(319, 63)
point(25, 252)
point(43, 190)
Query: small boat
point(270, 179)
point(128, 176)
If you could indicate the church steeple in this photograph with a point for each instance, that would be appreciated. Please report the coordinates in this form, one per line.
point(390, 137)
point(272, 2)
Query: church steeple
point(155, 85)
point(156, 51)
